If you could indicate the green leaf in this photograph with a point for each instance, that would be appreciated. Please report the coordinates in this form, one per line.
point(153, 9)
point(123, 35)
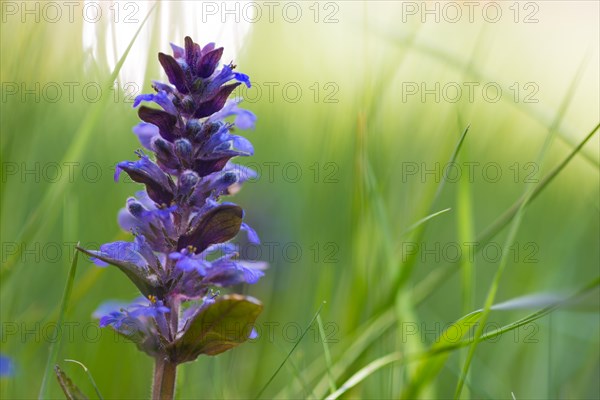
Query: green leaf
point(221, 326)
point(71, 390)
point(140, 279)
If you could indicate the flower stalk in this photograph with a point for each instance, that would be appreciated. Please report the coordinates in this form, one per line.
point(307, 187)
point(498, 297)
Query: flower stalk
point(182, 257)
point(165, 375)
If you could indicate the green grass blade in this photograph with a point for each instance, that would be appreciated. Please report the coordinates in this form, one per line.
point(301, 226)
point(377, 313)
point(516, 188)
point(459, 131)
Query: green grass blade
point(32, 225)
point(266, 385)
point(55, 345)
point(466, 234)
point(488, 302)
point(462, 324)
point(423, 220)
point(364, 372)
point(452, 160)
point(89, 375)
point(447, 339)
point(327, 354)
point(380, 212)
point(512, 233)
point(509, 214)
point(369, 181)
point(593, 285)
point(84, 285)
point(427, 286)
point(408, 266)
point(367, 334)
point(386, 318)
point(298, 374)
point(432, 366)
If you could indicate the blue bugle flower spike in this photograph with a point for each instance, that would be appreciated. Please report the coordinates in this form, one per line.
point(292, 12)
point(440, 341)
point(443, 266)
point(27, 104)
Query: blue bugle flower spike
point(181, 256)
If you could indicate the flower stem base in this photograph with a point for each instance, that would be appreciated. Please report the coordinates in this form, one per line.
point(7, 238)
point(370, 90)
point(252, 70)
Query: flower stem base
point(163, 387)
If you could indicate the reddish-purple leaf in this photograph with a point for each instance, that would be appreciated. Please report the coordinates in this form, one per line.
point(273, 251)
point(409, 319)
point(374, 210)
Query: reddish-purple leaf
point(163, 120)
point(209, 62)
point(221, 326)
point(218, 225)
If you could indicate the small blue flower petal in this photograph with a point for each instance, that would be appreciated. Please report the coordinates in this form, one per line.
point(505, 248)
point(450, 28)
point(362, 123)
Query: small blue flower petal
point(126, 252)
point(253, 334)
point(188, 261)
point(252, 235)
point(109, 307)
point(178, 52)
point(142, 97)
point(244, 119)
point(146, 133)
point(161, 98)
point(227, 272)
point(7, 366)
point(245, 79)
point(158, 185)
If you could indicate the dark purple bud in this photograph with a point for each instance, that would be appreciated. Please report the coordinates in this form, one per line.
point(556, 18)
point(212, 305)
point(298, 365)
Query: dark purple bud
point(189, 48)
point(183, 149)
point(192, 128)
point(222, 182)
point(192, 52)
point(207, 130)
point(199, 86)
point(163, 120)
point(135, 207)
point(159, 185)
point(216, 103)
point(165, 156)
point(218, 225)
point(174, 72)
point(228, 178)
point(217, 184)
point(187, 183)
point(208, 63)
point(186, 105)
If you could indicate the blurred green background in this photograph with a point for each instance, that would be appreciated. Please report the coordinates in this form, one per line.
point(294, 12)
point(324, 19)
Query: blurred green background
point(363, 134)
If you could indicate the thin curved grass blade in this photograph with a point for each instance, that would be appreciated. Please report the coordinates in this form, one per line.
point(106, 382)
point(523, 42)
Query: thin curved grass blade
point(55, 345)
point(89, 375)
point(266, 385)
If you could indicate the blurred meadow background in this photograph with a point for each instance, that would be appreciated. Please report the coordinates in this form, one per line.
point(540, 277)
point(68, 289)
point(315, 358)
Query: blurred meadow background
point(361, 106)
